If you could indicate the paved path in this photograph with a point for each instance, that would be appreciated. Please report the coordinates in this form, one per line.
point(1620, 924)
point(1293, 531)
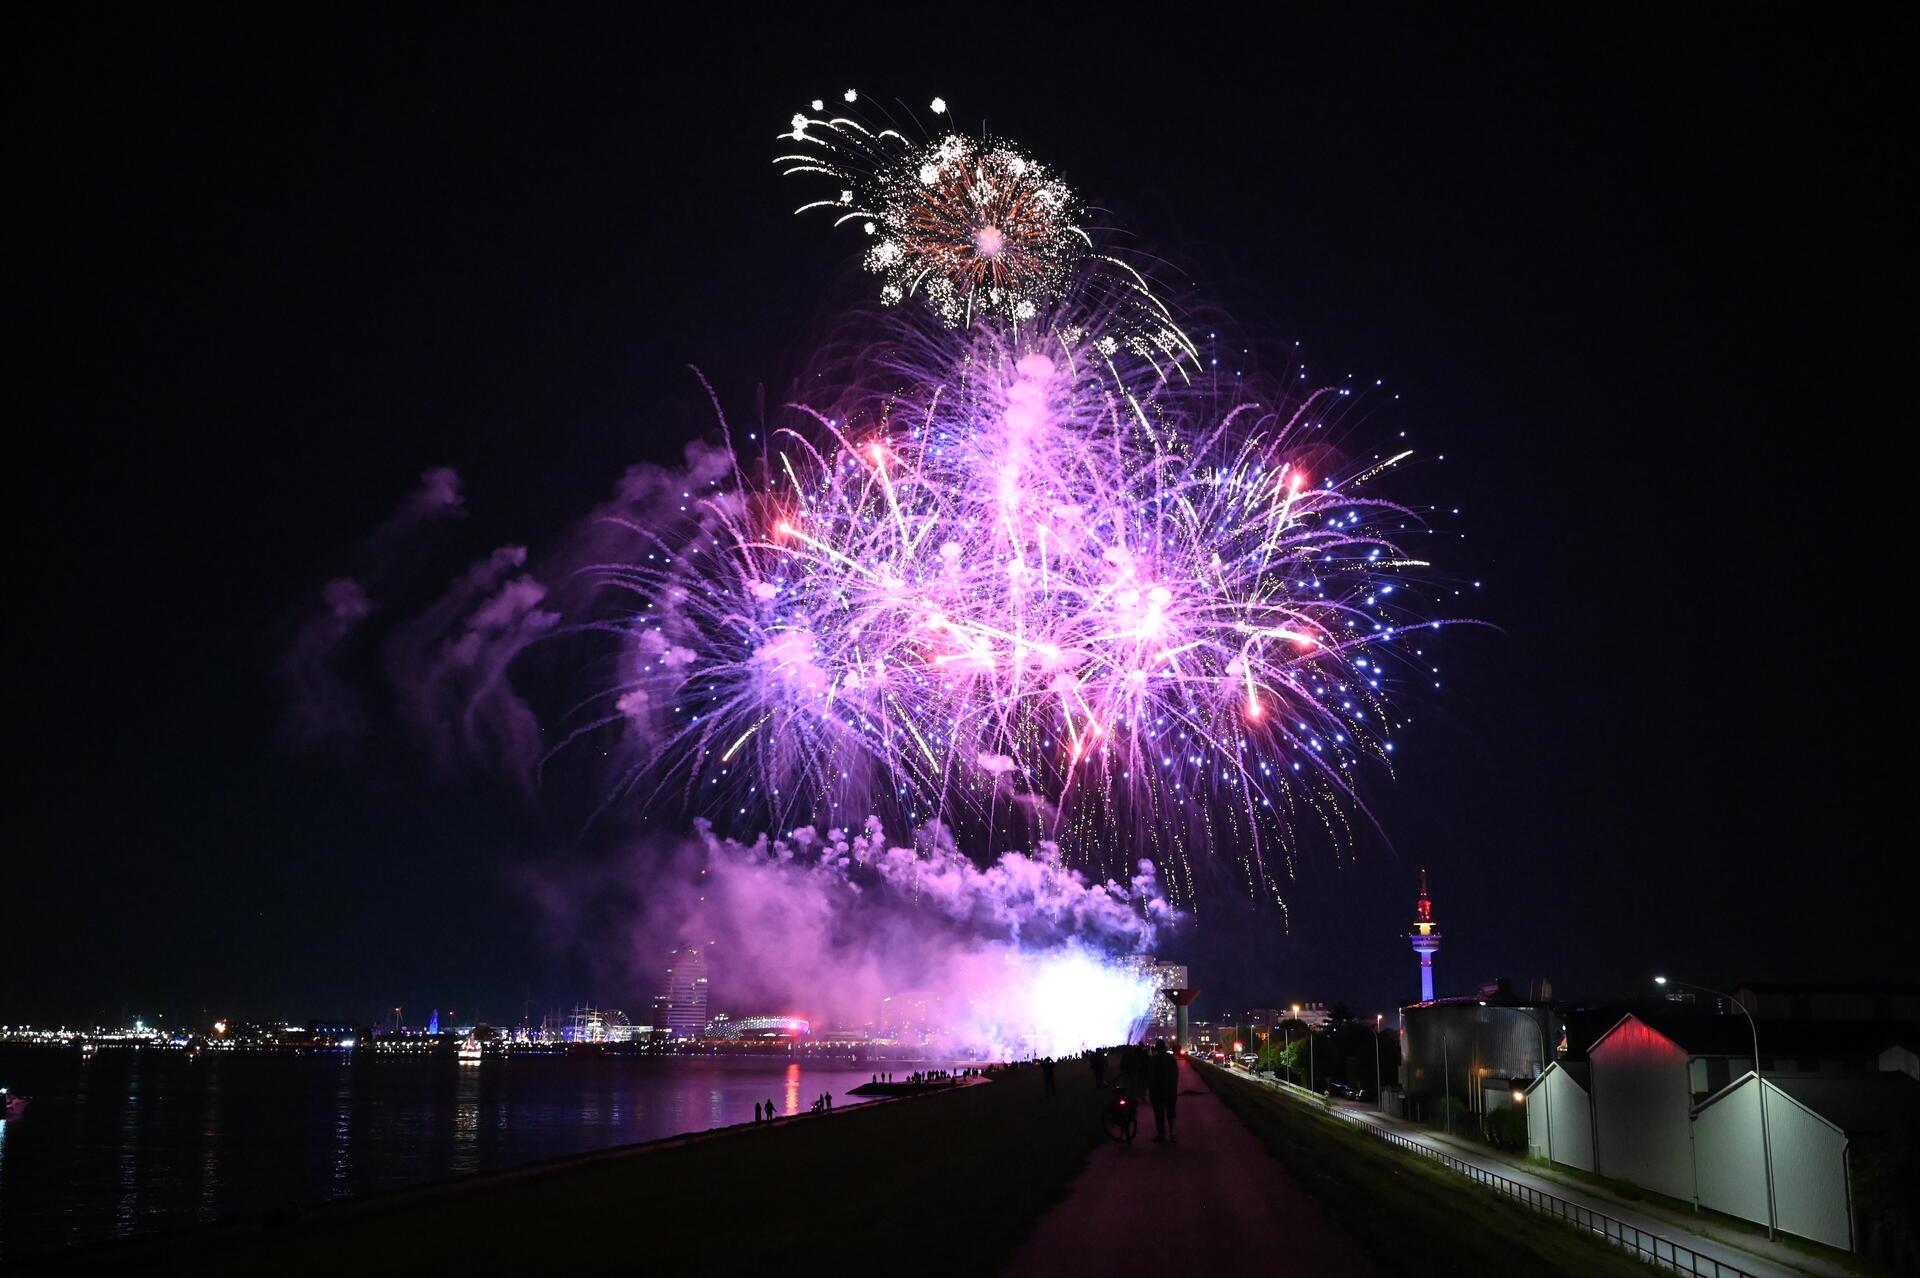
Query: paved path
point(1756, 1256)
point(1211, 1201)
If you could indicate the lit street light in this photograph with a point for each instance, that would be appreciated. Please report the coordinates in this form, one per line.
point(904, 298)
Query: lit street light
point(1546, 1058)
point(1378, 1100)
point(1766, 1134)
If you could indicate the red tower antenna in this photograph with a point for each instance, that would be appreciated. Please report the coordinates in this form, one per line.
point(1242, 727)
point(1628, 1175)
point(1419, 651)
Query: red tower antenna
point(1425, 938)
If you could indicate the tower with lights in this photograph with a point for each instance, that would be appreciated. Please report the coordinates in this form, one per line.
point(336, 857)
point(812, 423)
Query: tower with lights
point(1425, 938)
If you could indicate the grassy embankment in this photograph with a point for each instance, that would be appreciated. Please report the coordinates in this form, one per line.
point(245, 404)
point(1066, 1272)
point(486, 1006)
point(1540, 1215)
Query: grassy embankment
point(945, 1184)
point(1411, 1216)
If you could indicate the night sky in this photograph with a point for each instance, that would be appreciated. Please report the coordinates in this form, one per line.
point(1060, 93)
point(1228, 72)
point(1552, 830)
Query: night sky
point(1643, 285)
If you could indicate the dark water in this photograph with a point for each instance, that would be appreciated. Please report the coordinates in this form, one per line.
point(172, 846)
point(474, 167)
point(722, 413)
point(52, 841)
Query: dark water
point(135, 1141)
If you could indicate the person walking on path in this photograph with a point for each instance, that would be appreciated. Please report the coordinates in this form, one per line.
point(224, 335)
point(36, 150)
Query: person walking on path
point(1163, 1090)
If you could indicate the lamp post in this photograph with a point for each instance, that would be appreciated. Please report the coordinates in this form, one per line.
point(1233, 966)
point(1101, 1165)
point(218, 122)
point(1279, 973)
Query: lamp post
point(1378, 1100)
point(1545, 1060)
point(1759, 1081)
point(1309, 1030)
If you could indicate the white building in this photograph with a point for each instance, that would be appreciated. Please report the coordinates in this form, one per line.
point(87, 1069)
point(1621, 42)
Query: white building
point(1812, 1125)
point(1642, 1095)
point(1677, 1109)
point(1560, 1116)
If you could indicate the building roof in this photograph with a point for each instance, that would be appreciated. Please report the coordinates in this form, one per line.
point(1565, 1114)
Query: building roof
point(1482, 1000)
point(1707, 1034)
point(1857, 1104)
point(1830, 987)
point(1697, 1034)
point(1579, 1072)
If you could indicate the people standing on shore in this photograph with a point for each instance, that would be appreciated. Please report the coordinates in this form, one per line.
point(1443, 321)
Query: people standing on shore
point(756, 1111)
point(769, 1111)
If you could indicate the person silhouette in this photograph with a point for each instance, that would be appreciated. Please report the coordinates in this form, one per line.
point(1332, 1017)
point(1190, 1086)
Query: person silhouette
point(1163, 1091)
point(756, 1111)
point(769, 1111)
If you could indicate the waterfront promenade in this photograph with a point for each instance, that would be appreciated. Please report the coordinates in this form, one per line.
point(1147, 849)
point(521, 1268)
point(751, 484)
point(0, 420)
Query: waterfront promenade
point(993, 1178)
point(1206, 1202)
point(946, 1183)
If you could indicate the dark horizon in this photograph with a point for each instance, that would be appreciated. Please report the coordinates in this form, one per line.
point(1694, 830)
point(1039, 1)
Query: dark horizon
point(1640, 287)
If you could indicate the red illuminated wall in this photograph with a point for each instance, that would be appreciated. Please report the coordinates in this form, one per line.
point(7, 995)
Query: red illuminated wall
point(1641, 1104)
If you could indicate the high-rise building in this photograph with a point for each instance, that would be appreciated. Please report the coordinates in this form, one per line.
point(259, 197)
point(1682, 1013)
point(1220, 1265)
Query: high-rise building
point(683, 1007)
point(1425, 938)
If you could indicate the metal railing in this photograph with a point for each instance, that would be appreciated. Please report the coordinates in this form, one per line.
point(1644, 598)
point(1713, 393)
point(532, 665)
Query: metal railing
point(1652, 1248)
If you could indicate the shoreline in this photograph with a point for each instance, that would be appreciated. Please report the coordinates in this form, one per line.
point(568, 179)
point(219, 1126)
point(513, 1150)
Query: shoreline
point(319, 1213)
point(974, 1168)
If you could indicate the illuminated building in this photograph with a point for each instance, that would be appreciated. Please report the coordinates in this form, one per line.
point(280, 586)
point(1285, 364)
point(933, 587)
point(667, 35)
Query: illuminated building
point(683, 1008)
point(1426, 940)
point(758, 1029)
point(1311, 1015)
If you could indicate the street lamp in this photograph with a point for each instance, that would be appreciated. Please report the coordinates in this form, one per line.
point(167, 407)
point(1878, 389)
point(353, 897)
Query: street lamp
point(1766, 1135)
point(1309, 1029)
point(1545, 1060)
point(1377, 1099)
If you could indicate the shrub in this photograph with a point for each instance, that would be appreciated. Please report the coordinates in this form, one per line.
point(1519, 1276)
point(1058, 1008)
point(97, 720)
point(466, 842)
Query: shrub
point(1507, 1128)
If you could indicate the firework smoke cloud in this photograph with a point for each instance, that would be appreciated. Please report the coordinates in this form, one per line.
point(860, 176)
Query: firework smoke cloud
point(848, 928)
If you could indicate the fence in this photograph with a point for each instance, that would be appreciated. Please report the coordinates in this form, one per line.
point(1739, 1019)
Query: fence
point(1663, 1252)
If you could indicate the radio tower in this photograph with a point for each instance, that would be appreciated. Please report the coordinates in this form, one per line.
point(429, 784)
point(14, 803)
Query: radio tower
point(1426, 939)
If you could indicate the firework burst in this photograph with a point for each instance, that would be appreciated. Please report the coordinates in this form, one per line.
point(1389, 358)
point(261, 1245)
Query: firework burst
point(1021, 570)
point(973, 229)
